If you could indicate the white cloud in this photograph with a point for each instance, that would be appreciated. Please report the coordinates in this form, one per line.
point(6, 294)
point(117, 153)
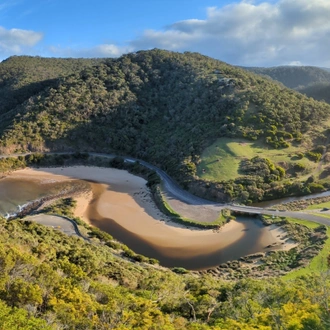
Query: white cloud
point(247, 33)
point(295, 63)
point(103, 50)
point(251, 33)
point(16, 41)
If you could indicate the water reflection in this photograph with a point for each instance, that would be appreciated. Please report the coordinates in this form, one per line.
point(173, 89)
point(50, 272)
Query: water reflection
point(15, 192)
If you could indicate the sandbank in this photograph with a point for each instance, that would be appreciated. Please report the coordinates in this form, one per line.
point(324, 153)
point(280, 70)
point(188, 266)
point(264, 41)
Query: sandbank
point(126, 200)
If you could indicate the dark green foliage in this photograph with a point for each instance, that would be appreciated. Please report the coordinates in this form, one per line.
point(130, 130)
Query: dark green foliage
point(300, 155)
point(312, 81)
point(117, 162)
point(295, 76)
point(153, 179)
point(53, 281)
point(81, 155)
point(318, 91)
point(315, 187)
point(262, 168)
point(179, 270)
point(63, 206)
point(24, 76)
point(299, 167)
point(162, 107)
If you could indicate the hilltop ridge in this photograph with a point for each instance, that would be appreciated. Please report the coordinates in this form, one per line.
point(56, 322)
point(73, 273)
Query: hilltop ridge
point(156, 105)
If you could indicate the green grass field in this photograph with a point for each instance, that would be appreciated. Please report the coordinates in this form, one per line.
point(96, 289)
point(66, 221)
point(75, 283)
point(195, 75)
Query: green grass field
point(319, 206)
point(221, 160)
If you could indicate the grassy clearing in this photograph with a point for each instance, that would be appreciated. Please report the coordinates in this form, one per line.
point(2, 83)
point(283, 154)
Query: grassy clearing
point(318, 263)
point(306, 223)
point(319, 206)
point(221, 160)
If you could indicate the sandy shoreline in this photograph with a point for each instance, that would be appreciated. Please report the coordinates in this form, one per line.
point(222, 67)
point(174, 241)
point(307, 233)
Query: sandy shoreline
point(128, 202)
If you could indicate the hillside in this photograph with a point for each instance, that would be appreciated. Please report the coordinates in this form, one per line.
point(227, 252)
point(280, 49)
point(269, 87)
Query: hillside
point(52, 281)
point(318, 91)
point(294, 76)
point(311, 81)
point(24, 76)
point(167, 108)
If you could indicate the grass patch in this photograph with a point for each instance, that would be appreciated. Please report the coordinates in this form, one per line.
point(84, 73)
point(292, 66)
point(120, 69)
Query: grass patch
point(319, 263)
point(220, 161)
point(319, 206)
point(306, 223)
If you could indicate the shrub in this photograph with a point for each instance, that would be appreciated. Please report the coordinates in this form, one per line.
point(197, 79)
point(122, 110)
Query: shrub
point(314, 156)
point(179, 270)
point(117, 162)
point(316, 187)
point(299, 167)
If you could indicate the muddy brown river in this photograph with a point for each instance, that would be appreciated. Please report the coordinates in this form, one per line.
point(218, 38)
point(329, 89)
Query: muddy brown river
point(139, 228)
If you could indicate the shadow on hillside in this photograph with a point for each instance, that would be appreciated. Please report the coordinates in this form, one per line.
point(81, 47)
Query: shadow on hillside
point(12, 99)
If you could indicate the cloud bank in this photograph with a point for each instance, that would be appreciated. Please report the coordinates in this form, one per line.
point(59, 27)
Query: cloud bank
point(16, 41)
point(103, 50)
point(245, 33)
point(250, 33)
point(286, 32)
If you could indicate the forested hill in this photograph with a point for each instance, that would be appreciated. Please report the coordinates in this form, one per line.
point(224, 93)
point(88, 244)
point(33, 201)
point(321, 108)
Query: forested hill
point(320, 91)
point(294, 76)
point(24, 76)
point(160, 106)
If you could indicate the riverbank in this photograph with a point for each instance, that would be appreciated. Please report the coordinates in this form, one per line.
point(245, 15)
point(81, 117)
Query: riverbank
point(121, 202)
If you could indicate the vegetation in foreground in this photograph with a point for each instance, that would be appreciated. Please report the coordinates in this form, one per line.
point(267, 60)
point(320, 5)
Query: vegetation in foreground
point(51, 281)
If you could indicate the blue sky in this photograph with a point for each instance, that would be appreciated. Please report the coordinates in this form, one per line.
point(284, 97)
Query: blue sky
point(246, 32)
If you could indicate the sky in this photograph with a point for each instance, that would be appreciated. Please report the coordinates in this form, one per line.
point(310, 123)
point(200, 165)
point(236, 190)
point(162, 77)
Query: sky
point(247, 32)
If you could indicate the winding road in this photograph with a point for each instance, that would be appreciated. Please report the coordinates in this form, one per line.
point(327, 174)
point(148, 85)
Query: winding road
point(176, 191)
point(172, 187)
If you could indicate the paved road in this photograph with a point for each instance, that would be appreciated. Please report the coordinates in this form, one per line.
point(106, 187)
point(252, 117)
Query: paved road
point(291, 214)
point(169, 183)
point(171, 186)
point(55, 222)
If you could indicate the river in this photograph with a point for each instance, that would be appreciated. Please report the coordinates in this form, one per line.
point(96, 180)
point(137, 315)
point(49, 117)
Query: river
point(115, 208)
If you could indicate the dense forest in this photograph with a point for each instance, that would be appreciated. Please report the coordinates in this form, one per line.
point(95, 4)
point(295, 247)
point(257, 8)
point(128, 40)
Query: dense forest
point(312, 81)
point(294, 77)
point(24, 76)
point(159, 106)
point(318, 91)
